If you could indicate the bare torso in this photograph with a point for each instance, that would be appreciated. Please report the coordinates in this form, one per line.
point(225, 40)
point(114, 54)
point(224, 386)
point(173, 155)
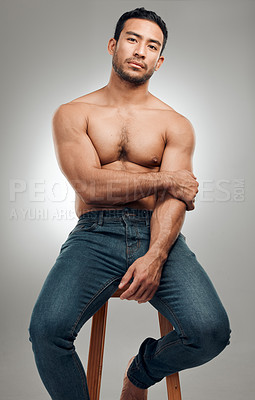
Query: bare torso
point(129, 138)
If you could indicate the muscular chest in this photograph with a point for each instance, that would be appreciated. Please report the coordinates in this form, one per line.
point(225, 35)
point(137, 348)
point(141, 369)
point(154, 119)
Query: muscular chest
point(128, 137)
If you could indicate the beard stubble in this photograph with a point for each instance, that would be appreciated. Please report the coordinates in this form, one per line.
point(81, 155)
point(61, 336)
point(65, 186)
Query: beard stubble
point(136, 80)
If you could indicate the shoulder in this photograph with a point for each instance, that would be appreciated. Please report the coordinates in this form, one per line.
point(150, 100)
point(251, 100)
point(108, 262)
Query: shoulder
point(68, 118)
point(178, 124)
point(78, 109)
point(75, 110)
point(174, 120)
point(156, 103)
point(72, 108)
point(179, 129)
point(95, 98)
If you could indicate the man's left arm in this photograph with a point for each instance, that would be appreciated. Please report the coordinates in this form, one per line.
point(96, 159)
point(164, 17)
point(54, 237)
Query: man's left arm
point(167, 218)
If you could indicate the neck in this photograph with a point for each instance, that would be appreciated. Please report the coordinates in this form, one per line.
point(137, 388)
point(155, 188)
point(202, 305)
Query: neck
point(122, 92)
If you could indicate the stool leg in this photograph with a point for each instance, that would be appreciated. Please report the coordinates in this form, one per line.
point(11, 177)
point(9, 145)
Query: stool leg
point(96, 352)
point(172, 381)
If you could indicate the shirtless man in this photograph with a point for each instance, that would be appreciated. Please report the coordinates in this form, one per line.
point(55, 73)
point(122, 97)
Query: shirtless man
point(128, 157)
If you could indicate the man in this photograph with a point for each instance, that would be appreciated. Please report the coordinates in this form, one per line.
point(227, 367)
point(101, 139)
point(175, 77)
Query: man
point(128, 157)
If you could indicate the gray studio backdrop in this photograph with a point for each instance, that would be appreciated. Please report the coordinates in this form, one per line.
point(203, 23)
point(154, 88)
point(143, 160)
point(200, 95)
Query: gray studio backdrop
point(53, 51)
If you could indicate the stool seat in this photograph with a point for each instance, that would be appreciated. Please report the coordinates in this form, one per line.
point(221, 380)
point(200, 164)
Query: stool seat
point(96, 352)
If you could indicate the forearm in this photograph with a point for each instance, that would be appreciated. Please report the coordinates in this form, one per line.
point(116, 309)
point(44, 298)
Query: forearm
point(111, 187)
point(166, 222)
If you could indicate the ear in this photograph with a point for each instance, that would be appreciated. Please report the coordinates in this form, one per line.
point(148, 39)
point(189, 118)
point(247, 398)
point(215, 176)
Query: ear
point(111, 46)
point(159, 62)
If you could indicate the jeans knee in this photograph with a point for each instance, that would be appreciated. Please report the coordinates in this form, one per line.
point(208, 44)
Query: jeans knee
point(46, 330)
point(211, 338)
point(38, 328)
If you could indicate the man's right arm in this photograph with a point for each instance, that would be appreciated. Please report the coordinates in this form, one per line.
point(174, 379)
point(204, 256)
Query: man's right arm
point(79, 162)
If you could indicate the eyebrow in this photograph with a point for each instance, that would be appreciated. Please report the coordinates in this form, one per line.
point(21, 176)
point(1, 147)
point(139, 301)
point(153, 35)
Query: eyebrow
point(140, 37)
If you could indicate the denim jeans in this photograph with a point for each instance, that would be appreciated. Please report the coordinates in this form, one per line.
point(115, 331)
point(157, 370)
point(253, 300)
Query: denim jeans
point(88, 270)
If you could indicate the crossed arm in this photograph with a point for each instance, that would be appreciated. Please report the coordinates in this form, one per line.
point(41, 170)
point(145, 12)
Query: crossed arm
point(80, 164)
point(174, 185)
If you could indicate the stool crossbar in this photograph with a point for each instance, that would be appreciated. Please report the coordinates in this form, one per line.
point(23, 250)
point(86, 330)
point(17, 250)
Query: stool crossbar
point(96, 353)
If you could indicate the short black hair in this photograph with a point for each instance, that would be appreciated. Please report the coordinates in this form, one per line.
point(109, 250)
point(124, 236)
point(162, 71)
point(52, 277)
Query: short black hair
point(141, 13)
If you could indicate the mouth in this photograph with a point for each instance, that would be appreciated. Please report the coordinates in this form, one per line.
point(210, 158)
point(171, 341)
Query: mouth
point(135, 64)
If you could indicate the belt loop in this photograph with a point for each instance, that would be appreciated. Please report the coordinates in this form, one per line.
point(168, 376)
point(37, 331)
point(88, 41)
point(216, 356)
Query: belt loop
point(100, 217)
point(148, 219)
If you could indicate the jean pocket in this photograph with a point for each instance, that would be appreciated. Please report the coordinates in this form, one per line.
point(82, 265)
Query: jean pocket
point(84, 226)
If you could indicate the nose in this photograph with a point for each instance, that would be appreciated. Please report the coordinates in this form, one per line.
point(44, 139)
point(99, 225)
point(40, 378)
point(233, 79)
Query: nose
point(139, 51)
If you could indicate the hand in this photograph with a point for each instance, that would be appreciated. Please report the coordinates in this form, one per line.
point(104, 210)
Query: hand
point(184, 186)
point(146, 273)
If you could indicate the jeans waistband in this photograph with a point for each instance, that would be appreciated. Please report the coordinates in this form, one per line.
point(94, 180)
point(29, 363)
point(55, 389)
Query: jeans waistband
point(118, 214)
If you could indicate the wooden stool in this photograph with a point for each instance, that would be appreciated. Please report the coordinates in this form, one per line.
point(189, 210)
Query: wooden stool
point(96, 352)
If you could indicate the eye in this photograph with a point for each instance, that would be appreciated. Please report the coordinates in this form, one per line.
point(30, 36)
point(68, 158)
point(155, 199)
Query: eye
point(131, 39)
point(153, 47)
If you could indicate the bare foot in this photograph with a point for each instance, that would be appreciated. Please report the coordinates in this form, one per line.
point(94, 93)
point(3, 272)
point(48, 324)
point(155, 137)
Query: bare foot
point(130, 391)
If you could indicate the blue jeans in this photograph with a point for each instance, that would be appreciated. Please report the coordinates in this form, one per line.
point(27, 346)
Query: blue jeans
point(88, 270)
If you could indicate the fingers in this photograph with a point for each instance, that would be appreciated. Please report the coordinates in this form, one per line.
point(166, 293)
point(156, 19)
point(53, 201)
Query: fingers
point(147, 296)
point(190, 205)
point(185, 185)
point(126, 278)
point(144, 283)
point(131, 291)
point(191, 192)
point(191, 173)
point(139, 293)
point(193, 176)
point(195, 184)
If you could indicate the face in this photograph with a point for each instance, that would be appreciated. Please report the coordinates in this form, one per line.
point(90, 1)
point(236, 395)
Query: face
point(136, 55)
